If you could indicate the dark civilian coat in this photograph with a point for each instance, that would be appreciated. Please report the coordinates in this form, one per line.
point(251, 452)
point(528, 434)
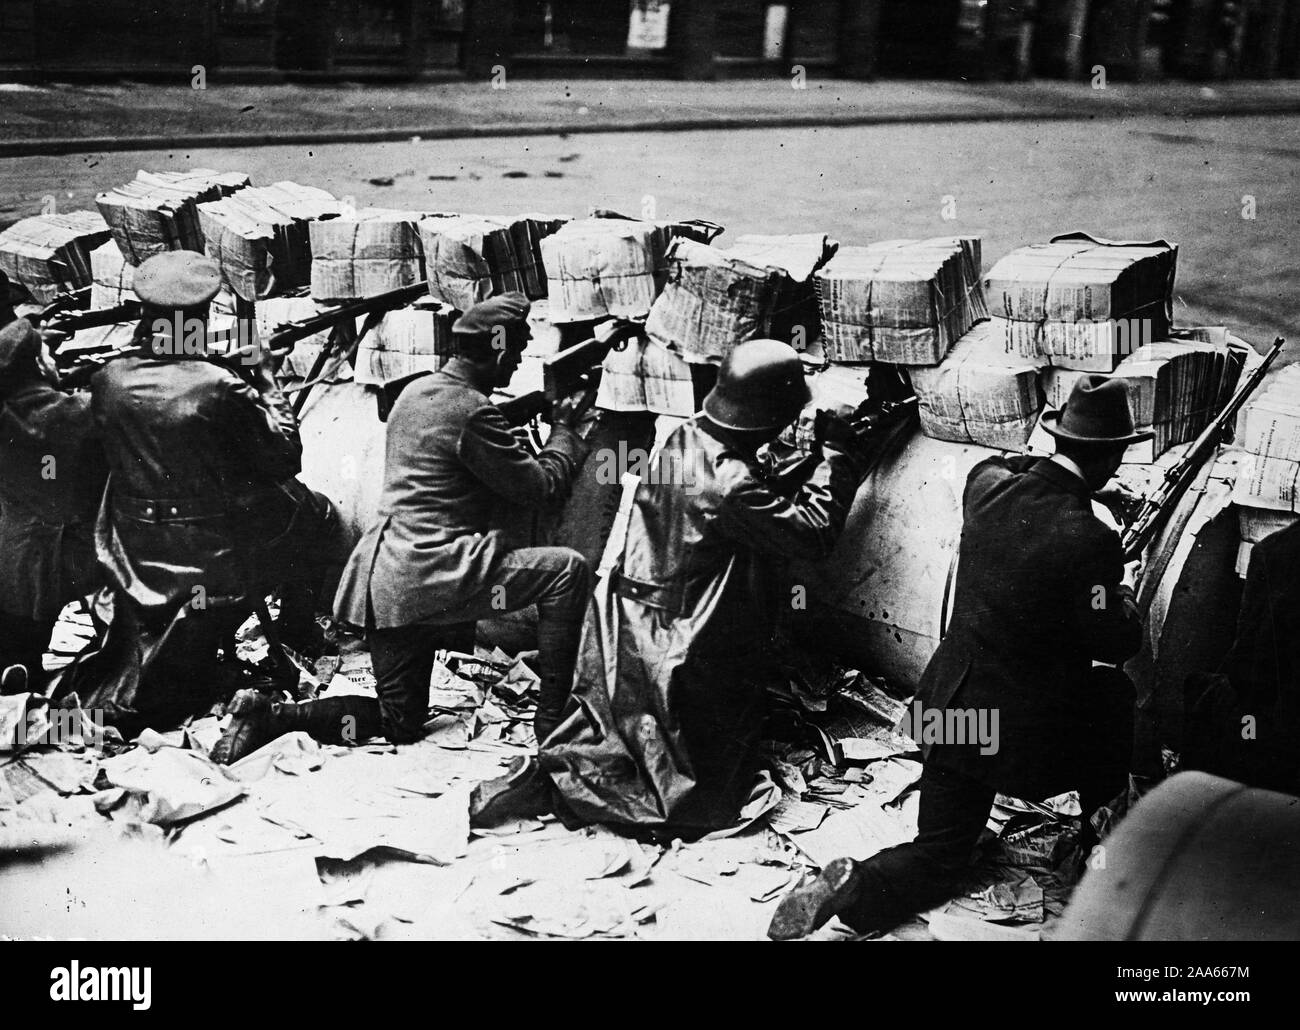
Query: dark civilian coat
point(52, 474)
point(451, 461)
point(1037, 599)
point(668, 702)
point(1259, 679)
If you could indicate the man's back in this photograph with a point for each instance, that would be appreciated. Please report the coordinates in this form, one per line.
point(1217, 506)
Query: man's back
point(451, 461)
point(1037, 599)
point(189, 429)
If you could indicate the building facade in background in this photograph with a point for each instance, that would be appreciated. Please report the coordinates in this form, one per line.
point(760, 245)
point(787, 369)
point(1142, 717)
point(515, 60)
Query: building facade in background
point(698, 39)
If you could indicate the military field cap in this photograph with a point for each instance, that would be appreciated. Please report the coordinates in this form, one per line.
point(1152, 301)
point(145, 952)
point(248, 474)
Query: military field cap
point(505, 309)
point(20, 343)
point(1097, 411)
point(177, 279)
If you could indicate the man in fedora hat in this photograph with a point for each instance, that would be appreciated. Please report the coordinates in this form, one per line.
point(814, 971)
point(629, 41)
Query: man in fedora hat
point(661, 732)
point(437, 560)
point(1041, 594)
point(203, 515)
point(52, 475)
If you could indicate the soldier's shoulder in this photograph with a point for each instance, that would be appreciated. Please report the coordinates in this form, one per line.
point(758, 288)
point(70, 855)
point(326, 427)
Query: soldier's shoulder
point(436, 400)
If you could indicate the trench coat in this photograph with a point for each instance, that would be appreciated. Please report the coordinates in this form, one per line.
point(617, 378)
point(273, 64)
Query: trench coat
point(669, 699)
point(453, 468)
point(1036, 600)
point(52, 474)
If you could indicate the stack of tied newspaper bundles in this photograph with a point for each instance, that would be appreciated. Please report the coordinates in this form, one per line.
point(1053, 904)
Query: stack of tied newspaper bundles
point(469, 258)
point(50, 254)
point(900, 301)
point(376, 251)
point(158, 211)
point(526, 235)
point(979, 393)
point(796, 318)
point(260, 236)
point(603, 267)
point(1083, 302)
point(662, 233)
point(1269, 475)
point(1176, 388)
point(712, 302)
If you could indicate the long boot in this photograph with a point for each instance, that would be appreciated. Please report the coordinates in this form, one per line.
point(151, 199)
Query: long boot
point(256, 720)
point(557, 658)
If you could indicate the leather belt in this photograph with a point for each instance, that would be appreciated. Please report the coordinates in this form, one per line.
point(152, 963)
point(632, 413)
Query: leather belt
point(653, 594)
point(186, 509)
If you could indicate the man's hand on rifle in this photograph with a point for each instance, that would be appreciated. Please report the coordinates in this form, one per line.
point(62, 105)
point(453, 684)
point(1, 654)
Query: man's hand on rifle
point(575, 411)
point(1121, 500)
point(1132, 574)
point(833, 430)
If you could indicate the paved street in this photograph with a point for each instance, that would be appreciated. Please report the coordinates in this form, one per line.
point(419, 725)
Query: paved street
point(1010, 182)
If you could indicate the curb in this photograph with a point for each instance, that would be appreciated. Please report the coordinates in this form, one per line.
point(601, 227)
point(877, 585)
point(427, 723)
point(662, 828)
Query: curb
point(100, 144)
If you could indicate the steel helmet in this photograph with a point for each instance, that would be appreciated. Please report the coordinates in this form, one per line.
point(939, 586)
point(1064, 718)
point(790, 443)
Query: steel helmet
point(760, 386)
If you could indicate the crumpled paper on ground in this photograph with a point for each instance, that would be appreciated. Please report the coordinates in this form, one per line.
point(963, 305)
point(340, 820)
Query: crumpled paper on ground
point(293, 753)
point(172, 784)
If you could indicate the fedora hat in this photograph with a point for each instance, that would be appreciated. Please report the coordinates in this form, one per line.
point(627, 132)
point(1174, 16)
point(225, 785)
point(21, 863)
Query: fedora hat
point(1097, 411)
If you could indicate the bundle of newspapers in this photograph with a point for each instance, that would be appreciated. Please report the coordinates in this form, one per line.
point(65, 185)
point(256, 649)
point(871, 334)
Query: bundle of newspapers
point(644, 376)
point(1269, 475)
point(406, 341)
point(50, 254)
point(376, 251)
point(469, 258)
point(610, 266)
point(900, 301)
point(1083, 302)
point(158, 211)
point(112, 279)
point(662, 233)
point(712, 302)
point(1176, 387)
point(979, 393)
point(260, 238)
point(796, 318)
point(1254, 524)
point(598, 268)
point(526, 235)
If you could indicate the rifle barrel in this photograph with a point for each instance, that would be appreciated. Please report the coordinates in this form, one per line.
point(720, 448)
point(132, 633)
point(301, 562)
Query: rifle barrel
point(1159, 506)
